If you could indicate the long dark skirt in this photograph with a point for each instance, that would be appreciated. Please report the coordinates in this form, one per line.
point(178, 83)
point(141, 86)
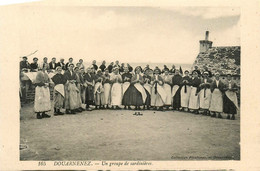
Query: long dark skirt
point(89, 100)
point(177, 99)
point(228, 106)
point(148, 98)
point(132, 97)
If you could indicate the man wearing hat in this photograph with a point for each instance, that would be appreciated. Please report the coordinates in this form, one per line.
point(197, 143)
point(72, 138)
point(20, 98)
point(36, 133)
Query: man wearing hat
point(61, 64)
point(53, 64)
point(67, 64)
point(205, 93)
point(172, 70)
point(34, 65)
point(24, 64)
point(103, 66)
point(45, 62)
point(216, 104)
point(25, 81)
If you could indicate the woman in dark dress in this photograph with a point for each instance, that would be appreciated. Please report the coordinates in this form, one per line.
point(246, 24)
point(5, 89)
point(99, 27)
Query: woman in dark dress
point(148, 88)
point(185, 91)
point(126, 77)
point(230, 104)
point(58, 93)
point(176, 90)
point(136, 92)
point(89, 82)
point(194, 98)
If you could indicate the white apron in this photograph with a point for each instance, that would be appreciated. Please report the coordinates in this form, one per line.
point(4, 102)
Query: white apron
point(141, 89)
point(216, 104)
point(194, 100)
point(185, 97)
point(205, 100)
point(116, 94)
point(167, 89)
point(42, 101)
point(107, 93)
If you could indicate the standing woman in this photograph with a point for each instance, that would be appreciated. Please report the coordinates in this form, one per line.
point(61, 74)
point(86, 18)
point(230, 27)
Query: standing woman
point(89, 84)
point(176, 90)
point(230, 98)
point(216, 103)
point(205, 93)
point(194, 98)
point(126, 78)
point(148, 88)
point(78, 84)
point(42, 102)
point(158, 96)
point(185, 91)
point(99, 95)
point(116, 90)
point(71, 91)
point(58, 93)
point(107, 88)
point(167, 87)
point(136, 91)
point(82, 82)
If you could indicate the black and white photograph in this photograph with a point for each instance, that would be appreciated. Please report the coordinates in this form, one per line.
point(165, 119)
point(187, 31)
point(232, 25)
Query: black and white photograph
point(139, 83)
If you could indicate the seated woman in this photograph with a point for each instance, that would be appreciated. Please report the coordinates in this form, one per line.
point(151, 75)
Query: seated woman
point(116, 90)
point(42, 102)
point(136, 93)
point(126, 77)
point(99, 95)
point(58, 93)
point(158, 96)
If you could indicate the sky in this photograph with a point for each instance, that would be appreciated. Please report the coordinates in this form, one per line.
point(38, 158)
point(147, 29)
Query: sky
point(127, 34)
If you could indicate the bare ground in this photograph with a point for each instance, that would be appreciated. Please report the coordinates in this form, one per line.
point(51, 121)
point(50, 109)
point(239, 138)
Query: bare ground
point(119, 135)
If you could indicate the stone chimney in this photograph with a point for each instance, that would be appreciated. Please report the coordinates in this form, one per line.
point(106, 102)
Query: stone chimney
point(205, 44)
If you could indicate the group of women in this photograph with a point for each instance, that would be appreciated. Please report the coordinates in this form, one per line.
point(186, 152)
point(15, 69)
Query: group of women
point(78, 89)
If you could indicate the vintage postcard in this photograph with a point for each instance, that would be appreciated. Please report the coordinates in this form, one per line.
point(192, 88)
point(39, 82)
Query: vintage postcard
point(115, 85)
